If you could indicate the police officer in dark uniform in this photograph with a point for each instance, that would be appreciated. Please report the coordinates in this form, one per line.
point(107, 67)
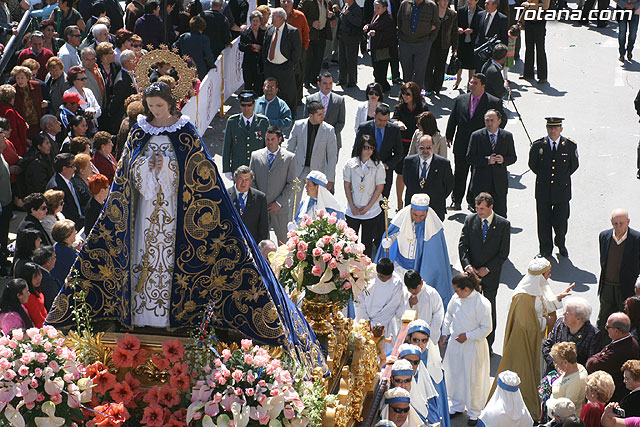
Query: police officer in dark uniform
point(245, 133)
point(553, 159)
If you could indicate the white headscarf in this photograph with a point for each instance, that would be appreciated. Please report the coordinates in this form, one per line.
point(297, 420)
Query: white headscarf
point(534, 283)
point(404, 222)
point(396, 394)
point(325, 199)
point(506, 407)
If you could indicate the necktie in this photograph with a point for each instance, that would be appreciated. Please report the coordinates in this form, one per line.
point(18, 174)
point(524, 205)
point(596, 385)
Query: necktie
point(486, 24)
point(325, 102)
point(425, 169)
point(272, 49)
point(241, 202)
point(554, 147)
point(247, 124)
point(485, 228)
point(271, 157)
point(379, 138)
point(492, 138)
point(75, 198)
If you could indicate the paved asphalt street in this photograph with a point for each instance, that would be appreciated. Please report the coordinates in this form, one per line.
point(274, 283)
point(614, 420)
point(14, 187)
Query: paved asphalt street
point(594, 93)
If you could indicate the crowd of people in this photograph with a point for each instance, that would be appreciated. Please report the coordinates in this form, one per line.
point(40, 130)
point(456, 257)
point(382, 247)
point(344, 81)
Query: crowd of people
point(72, 98)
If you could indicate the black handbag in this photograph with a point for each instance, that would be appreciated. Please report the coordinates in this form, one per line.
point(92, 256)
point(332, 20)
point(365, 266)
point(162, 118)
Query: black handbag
point(454, 65)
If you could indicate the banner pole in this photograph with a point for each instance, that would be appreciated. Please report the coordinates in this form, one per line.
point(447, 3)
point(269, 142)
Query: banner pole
point(221, 86)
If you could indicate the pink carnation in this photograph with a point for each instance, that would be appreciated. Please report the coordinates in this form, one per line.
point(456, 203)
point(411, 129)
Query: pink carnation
point(248, 359)
point(226, 353)
point(326, 257)
point(5, 352)
point(332, 220)
point(261, 398)
point(301, 255)
point(333, 264)
point(250, 376)
point(36, 339)
point(48, 346)
point(237, 375)
point(288, 412)
point(23, 371)
point(246, 344)
point(316, 252)
point(347, 285)
point(249, 391)
point(316, 271)
point(292, 233)
point(5, 364)
point(18, 334)
point(41, 357)
point(320, 244)
point(342, 224)
point(302, 245)
point(326, 239)
point(27, 357)
point(320, 212)
point(56, 398)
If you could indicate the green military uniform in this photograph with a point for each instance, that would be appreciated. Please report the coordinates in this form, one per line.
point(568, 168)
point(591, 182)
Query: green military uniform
point(240, 141)
point(553, 169)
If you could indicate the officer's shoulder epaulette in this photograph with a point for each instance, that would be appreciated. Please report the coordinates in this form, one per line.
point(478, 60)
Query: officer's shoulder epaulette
point(538, 140)
point(262, 116)
point(572, 140)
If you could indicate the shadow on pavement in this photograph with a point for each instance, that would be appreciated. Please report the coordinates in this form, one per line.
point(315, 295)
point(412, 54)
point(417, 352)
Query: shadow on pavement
point(510, 275)
point(563, 270)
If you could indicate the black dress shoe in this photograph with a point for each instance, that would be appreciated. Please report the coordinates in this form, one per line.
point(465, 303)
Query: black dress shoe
point(543, 255)
point(563, 251)
point(455, 414)
point(472, 422)
point(455, 206)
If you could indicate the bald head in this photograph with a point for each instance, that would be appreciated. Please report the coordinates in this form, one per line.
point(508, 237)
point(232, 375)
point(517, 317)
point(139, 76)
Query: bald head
point(618, 325)
point(620, 222)
point(425, 146)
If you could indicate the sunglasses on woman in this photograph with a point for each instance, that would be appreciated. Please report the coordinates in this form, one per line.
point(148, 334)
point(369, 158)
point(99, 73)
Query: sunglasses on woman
point(406, 381)
point(399, 410)
point(367, 147)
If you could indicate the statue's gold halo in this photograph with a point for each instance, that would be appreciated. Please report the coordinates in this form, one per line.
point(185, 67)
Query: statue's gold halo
point(186, 74)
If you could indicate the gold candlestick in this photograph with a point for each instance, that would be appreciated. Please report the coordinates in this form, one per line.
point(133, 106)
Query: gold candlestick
point(385, 207)
point(296, 189)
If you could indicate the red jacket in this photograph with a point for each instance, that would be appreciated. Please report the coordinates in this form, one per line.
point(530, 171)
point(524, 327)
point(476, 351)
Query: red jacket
point(104, 166)
point(42, 59)
point(35, 307)
point(18, 128)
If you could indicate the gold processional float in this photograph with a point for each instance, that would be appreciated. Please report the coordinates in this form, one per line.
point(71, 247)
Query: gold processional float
point(355, 378)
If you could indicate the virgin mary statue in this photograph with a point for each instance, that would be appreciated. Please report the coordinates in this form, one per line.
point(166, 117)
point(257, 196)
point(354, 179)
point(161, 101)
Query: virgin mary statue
point(169, 241)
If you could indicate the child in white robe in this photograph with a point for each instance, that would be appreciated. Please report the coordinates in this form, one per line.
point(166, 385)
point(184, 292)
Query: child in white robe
point(383, 302)
point(466, 362)
point(425, 300)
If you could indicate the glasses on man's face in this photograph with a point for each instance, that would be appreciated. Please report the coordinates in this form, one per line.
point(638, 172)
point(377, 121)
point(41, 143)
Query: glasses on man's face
point(81, 79)
point(607, 327)
point(269, 87)
point(425, 147)
point(367, 147)
point(399, 381)
point(399, 410)
point(420, 340)
point(415, 362)
point(374, 94)
point(246, 104)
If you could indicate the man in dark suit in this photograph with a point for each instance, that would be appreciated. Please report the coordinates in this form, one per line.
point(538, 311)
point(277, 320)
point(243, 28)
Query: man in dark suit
point(467, 116)
point(63, 164)
point(388, 140)
point(334, 106)
point(490, 151)
point(493, 70)
point(619, 265)
point(217, 28)
point(484, 246)
point(428, 173)
point(623, 347)
point(251, 203)
point(492, 23)
point(281, 55)
point(45, 257)
point(122, 88)
point(52, 130)
point(553, 159)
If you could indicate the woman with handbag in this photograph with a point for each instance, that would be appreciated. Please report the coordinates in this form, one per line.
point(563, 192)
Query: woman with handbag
point(447, 38)
point(468, 24)
point(382, 32)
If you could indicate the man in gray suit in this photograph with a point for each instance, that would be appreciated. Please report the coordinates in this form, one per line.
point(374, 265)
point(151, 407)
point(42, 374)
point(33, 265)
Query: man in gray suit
point(333, 104)
point(88, 58)
point(274, 169)
point(314, 144)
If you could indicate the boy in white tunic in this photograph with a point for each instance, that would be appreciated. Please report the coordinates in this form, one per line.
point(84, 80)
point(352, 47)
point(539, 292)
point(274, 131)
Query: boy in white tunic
point(383, 304)
point(466, 362)
point(425, 300)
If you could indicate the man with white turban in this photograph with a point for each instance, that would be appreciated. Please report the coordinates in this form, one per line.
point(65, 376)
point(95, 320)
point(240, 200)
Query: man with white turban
point(402, 374)
point(416, 242)
point(506, 407)
point(397, 408)
point(533, 307)
point(317, 197)
point(430, 377)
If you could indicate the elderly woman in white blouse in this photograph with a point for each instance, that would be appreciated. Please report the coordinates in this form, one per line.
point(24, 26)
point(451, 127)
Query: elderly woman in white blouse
point(364, 178)
point(77, 78)
point(366, 110)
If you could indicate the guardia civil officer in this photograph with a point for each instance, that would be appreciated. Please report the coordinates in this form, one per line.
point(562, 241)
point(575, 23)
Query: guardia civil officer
point(245, 133)
point(553, 159)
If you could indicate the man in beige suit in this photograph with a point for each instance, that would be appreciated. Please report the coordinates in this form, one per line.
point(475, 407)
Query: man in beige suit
point(274, 169)
point(314, 144)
